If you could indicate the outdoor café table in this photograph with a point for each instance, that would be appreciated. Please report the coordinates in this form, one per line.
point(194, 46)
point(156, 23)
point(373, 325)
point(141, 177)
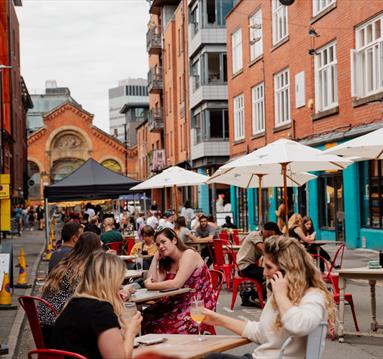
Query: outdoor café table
point(372, 275)
point(144, 295)
point(133, 258)
point(233, 247)
point(199, 243)
point(187, 346)
point(133, 274)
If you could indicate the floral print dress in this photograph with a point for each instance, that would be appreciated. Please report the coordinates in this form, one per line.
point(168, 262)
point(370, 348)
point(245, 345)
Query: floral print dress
point(171, 315)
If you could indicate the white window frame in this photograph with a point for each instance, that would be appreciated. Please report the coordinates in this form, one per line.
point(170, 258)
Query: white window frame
point(280, 21)
point(282, 98)
point(236, 46)
point(256, 35)
point(367, 59)
point(326, 78)
point(239, 117)
point(258, 108)
point(321, 5)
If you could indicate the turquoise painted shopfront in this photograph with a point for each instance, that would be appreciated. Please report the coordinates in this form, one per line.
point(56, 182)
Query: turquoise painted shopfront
point(350, 201)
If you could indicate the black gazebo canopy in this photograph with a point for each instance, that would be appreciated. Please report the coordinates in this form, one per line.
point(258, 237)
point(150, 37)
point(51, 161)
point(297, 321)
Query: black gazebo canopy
point(90, 181)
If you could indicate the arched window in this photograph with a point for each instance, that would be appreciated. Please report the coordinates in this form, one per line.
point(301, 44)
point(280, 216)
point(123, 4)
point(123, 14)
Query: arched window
point(112, 165)
point(64, 167)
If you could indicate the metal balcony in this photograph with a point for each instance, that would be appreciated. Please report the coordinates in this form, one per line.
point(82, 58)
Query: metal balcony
point(156, 121)
point(155, 83)
point(153, 41)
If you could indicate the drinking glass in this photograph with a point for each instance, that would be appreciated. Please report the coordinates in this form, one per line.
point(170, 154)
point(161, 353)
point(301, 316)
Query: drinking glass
point(197, 315)
point(130, 310)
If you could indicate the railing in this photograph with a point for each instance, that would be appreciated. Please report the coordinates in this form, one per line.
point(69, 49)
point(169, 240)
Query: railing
point(156, 121)
point(155, 83)
point(153, 40)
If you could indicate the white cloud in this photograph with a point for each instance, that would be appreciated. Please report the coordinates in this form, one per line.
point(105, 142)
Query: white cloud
point(86, 45)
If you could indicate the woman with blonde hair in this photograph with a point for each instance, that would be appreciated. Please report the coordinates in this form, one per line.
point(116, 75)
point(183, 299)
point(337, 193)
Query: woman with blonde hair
point(295, 230)
point(63, 279)
point(299, 302)
point(93, 323)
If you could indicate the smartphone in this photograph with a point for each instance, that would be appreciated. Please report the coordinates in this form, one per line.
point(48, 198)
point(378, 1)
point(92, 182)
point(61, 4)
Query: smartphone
point(167, 290)
point(151, 341)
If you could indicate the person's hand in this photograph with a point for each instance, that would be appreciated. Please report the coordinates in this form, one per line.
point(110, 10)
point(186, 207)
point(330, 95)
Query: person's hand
point(279, 284)
point(149, 283)
point(134, 325)
point(211, 318)
point(126, 292)
point(111, 251)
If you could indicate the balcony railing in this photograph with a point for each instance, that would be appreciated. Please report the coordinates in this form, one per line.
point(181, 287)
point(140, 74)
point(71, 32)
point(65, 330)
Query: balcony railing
point(156, 121)
point(153, 40)
point(155, 83)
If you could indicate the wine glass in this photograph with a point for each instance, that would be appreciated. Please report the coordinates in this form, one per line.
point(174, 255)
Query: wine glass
point(197, 315)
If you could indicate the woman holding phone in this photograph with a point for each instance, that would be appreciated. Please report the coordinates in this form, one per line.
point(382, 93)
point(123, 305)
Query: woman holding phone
point(93, 323)
point(299, 303)
point(176, 266)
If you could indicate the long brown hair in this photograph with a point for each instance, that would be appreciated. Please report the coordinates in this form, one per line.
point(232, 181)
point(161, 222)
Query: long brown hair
point(301, 273)
point(164, 264)
point(73, 264)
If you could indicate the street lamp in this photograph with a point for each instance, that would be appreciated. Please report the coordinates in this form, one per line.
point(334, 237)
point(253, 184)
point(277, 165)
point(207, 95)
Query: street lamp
point(2, 67)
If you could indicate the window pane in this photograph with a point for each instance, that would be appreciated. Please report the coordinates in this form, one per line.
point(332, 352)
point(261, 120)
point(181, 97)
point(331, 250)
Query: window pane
point(213, 67)
point(216, 124)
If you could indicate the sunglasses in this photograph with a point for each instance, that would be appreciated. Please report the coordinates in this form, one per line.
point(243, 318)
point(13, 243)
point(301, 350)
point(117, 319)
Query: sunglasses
point(160, 229)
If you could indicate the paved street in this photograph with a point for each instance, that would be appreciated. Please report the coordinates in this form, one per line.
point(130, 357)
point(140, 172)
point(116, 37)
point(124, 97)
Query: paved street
point(353, 348)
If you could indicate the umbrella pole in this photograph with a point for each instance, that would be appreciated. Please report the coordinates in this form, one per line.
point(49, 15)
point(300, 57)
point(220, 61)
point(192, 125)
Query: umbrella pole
point(175, 199)
point(260, 220)
point(284, 165)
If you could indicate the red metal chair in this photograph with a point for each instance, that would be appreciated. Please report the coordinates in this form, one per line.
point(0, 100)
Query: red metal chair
point(238, 280)
point(217, 280)
point(235, 237)
point(219, 262)
point(224, 236)
point(347, 296)
point(129, 243)
point(53, 354)
point(116, 246)
point(333, 264)
point(29, 305)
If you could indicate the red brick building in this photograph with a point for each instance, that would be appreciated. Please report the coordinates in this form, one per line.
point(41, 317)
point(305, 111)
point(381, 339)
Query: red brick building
point(66, 140)
point(14, 102)
point(313, 72)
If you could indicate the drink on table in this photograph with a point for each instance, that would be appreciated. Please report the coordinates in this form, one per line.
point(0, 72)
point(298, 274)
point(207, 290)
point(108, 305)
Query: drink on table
point(197, 315)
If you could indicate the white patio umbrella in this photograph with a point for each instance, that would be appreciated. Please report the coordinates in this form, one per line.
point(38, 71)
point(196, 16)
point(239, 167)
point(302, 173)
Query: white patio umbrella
point(172, 177)
point(287, 156)
point(246, 178)
point(369, 146)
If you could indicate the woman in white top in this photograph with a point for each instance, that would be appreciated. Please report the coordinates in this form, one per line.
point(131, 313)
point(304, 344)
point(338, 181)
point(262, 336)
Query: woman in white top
point(300, 301)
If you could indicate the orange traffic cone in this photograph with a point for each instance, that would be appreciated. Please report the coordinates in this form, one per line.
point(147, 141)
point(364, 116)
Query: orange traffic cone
point(5, 294)
point(48, 253)
point(22, 280)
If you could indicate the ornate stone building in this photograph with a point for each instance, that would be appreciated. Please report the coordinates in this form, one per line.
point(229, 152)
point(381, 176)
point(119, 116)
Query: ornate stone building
point(66, 140)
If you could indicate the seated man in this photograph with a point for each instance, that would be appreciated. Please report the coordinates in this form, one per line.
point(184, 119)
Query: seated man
point(228, 223)
point(70, 234)
point(110, 234)
point(250, 253)
point(205, 231)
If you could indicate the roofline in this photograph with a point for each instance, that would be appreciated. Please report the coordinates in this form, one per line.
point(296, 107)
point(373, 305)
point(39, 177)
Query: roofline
point(74, 104)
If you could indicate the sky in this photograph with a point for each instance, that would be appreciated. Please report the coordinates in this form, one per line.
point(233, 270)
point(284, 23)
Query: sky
point(85, 45)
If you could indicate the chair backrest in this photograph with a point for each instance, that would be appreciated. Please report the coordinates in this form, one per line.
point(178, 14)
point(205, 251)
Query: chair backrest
point(131, 243)
point(29, 305)
point(218, 251)
point(315, 342)
point(339, 252)
point(53, 354)
point(235, 237)
point(224, 237)
point(114, 245)
point(217, 281)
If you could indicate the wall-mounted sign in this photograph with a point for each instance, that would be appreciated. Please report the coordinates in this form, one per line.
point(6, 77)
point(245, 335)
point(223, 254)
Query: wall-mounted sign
point(4, 191)
point(159, 160)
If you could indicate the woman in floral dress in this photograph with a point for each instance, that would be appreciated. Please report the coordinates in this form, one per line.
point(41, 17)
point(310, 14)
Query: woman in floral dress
point(176, 266)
